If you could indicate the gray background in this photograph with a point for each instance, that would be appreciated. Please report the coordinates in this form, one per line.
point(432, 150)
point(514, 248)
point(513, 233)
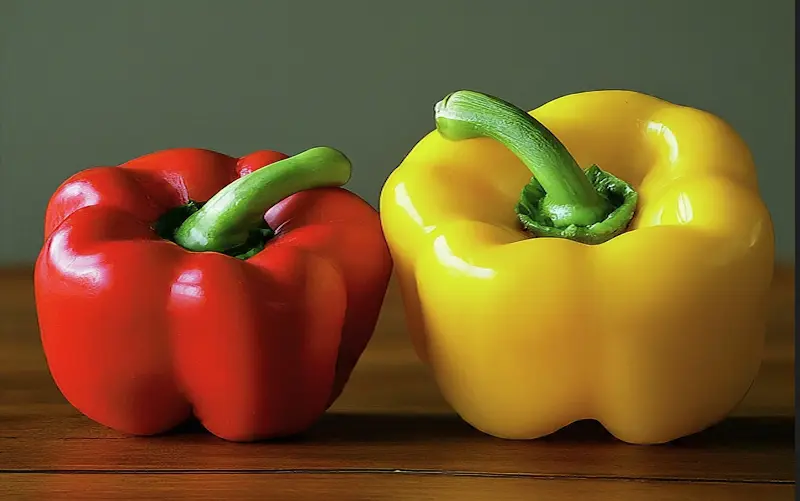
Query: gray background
point(85, 82)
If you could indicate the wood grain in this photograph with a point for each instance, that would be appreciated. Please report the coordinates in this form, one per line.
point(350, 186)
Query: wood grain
point(390, 436)
point(355, 487)
point(738, 450)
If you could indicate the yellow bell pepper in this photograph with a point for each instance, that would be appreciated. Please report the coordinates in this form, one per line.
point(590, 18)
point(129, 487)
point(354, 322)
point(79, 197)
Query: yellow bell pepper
point(541, 294)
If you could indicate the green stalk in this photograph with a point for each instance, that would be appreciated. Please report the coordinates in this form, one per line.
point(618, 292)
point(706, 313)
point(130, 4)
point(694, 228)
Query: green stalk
point(562, 200)
point(227, 221)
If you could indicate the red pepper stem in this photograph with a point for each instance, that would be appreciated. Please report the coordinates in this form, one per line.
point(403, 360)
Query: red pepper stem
point(226, 220)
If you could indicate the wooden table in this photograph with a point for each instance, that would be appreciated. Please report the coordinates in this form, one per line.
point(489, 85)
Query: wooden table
point(389, 437)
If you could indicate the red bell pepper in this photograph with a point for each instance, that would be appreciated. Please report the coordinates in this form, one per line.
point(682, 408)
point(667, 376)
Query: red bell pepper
point(249, 311)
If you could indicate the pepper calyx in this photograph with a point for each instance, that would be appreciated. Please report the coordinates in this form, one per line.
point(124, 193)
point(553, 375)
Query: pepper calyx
point(167, 225)
point(533, 209)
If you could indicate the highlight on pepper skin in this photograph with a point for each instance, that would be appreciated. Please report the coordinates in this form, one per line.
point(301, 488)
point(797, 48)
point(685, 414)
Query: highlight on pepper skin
point(605, 256)
point(181, 284)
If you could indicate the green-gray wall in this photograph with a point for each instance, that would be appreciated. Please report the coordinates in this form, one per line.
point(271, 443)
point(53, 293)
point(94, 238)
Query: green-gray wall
point(85, 82)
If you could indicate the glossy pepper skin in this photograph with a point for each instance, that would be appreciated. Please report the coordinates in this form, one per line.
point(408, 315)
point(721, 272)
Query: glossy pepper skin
point(657, 332)
point(140, 334)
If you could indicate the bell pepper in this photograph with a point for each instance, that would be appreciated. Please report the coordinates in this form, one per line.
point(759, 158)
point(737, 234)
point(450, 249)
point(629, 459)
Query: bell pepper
point(190, 283)
point(605, 256)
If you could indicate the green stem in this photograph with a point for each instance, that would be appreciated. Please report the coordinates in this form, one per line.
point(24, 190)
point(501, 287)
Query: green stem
point(228, 218)
point(570, 197)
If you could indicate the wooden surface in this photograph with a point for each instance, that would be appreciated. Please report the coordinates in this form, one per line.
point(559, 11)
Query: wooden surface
point(389, 437)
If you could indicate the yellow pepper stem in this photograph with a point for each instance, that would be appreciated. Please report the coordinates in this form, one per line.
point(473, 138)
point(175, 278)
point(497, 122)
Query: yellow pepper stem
point(561, 200)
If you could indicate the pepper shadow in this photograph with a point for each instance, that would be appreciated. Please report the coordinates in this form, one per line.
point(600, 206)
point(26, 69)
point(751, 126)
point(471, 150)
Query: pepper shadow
point(332, 428)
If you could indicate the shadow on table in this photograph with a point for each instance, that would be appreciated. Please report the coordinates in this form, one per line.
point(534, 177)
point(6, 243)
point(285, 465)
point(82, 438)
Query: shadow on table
point(745, 450)
point(366, 428)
